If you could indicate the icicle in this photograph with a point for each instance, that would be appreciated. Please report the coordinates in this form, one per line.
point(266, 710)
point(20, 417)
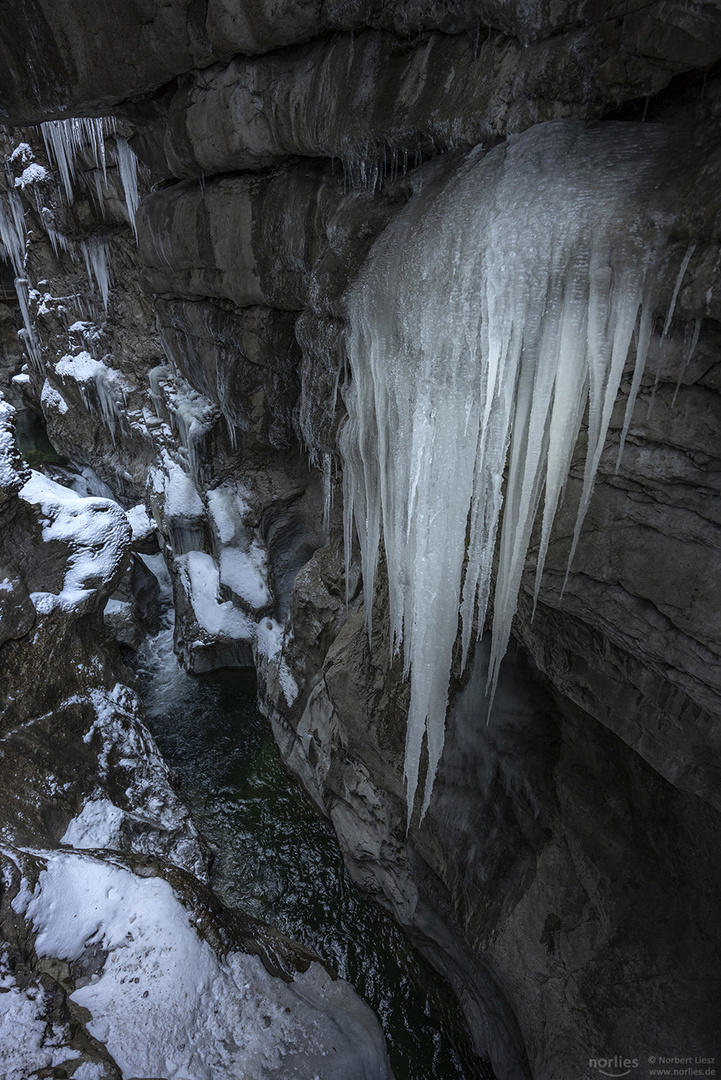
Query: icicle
point(327, 487)
point(687, 356)
point(128, 167)
point(96, 263)
point(22, 288)
point(669, 316)
point(13, 236)
point(497, 306)
point(677, 287)
point(12, 231)
point(157, 378)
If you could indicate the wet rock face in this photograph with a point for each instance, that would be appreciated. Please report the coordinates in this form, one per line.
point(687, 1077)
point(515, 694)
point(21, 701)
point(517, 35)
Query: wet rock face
point(569, 842)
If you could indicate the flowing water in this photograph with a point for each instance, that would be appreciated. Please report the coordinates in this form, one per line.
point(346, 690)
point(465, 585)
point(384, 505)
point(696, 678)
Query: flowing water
point(279, 860)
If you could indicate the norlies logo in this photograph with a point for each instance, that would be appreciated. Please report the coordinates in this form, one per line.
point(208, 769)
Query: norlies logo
point(614, 1066)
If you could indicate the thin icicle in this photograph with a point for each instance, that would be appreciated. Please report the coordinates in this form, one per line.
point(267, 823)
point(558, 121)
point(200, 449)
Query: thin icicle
point(669, 316)
point(327, 487)
point(96, 263)
point(128, 168)
point(12, 230)
point(677, 287)
point(493, 310)
point(13, 236)
point(687, 356)
point(22, 289)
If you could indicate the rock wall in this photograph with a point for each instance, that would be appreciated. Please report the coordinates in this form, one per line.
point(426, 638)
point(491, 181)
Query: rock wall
point(565, 877)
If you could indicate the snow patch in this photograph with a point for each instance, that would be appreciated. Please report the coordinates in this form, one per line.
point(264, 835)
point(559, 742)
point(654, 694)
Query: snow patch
point(96, 530)
point(269, 643)
point(200, 577)
point(246, 573)
point(33, 174)
point(50, 398)
point(181, 495)
point(141, 522)
point(96, 826)
point(164, 1004)
point(100, 386)
point(28, 1041)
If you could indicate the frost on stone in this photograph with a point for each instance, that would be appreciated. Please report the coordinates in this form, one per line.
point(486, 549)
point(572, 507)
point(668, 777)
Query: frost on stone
point(189, 413)
point(22, 154)
point(154, 820)
point(496, 309)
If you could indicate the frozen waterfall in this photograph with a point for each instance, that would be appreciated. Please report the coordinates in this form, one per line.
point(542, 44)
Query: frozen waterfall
point(491, 313)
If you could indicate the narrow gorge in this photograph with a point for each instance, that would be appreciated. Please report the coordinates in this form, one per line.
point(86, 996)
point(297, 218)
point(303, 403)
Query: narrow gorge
point(365, 358)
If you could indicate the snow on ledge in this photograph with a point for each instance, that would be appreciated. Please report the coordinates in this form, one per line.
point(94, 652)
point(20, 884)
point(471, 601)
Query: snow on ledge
point(96, 530)
point(165, 1004)
point(201, 580)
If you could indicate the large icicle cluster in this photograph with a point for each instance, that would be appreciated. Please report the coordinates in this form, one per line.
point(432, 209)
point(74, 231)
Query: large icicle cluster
point(66, 140)
point(13, 237)
point(496, 308)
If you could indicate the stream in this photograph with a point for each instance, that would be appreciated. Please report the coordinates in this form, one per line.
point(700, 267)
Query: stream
point(279, 860)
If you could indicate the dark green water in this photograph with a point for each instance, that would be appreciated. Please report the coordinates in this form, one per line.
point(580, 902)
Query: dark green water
point(279, 860)
point(33, 442)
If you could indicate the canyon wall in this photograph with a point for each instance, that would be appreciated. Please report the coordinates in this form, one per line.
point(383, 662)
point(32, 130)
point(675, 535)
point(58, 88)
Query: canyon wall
point(565, 877)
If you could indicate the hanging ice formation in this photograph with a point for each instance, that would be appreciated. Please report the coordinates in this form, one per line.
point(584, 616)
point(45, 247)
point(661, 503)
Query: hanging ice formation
point(66, 139)
point(13, 235)
point(494, 309)
point(96, 263)
point(128, 168)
